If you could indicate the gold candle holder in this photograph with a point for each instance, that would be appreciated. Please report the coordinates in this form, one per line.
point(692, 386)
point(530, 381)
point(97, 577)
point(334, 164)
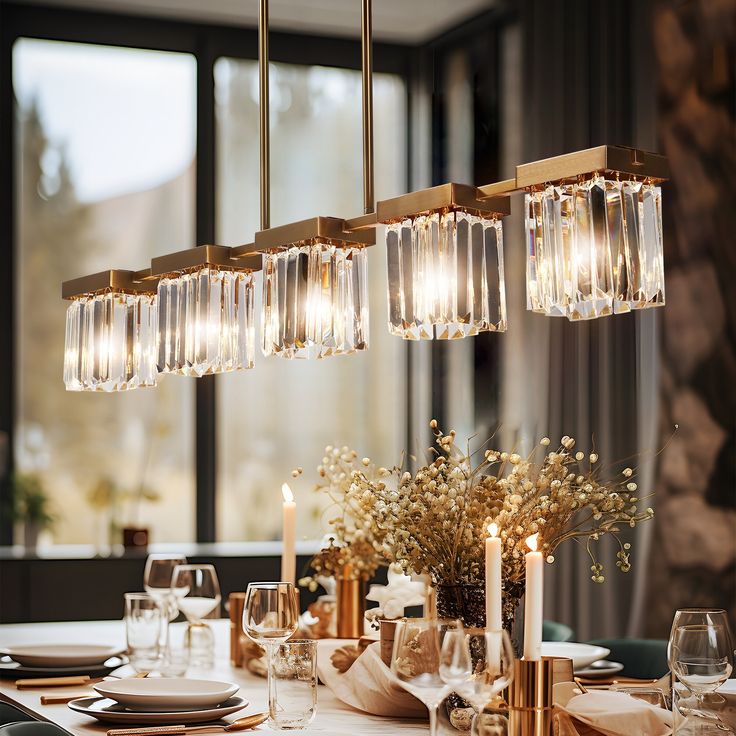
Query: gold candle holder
point(530, 697)
point(237, 603)
point(350, 605)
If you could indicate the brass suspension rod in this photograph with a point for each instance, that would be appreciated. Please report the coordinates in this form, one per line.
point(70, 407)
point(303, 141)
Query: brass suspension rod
point(366, 27)
point(264, 115)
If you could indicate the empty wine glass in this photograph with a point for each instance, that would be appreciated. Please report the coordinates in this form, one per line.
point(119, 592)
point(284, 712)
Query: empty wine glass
point(417, 662)
point(695, 617)
point(157, 579)
point(702, 657)
point(196, 590)
point(490, 667)
point(270, 617)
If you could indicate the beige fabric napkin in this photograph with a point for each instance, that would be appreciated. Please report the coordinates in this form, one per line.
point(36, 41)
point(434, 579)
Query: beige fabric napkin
point(369, 685)
point(618, 714)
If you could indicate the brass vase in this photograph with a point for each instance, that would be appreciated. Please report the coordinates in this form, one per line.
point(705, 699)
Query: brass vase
point(350, 604)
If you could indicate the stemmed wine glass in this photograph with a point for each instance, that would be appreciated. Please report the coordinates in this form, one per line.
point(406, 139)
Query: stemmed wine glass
point(270, 617)
point(417, 662)
point(157, 580)
point(702, 660)
point(490, 667)
point(196, 590)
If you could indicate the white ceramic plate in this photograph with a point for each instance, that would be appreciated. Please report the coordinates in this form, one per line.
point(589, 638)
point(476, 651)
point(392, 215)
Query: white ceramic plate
point(60, 655)
point(104, 709)
point(9, 668)
point(601, 668)
point(156, 694)
point(581, 655)
point(728, 690)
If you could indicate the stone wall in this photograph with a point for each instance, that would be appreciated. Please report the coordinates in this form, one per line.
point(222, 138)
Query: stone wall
point(694, 558)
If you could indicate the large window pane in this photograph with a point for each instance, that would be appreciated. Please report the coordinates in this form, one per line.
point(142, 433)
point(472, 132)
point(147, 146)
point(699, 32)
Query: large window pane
point(282, 413)
point(105, 178)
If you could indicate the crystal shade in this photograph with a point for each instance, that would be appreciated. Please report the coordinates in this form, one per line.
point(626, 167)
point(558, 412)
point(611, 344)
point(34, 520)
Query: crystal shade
point(110, 342)
point(594, 248)
point(445, 276)
point(315, 301)
point(205, 322)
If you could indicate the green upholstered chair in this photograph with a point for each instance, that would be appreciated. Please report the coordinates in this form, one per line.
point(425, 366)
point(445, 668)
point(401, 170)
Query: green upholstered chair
point(555, 631)
point(644, 659)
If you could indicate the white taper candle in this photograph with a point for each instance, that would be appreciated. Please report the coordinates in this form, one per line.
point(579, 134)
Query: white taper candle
point(288, 552)
point(534, 601)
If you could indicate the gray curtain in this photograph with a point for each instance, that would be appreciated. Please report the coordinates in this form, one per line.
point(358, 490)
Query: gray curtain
point(582, 85)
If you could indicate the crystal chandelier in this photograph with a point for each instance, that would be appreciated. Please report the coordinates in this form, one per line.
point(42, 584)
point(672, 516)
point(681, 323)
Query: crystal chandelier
point(595, 243)
point(110, 342)
point(205, 312)
point(444, 263)
point(315, 301)
point(594, 248)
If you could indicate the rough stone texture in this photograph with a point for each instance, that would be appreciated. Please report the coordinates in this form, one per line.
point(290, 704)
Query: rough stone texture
point(697, 534)
point(695, 317)
point(694, 557)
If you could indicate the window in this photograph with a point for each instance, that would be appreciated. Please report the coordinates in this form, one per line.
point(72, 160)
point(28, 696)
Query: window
point(282, 413)
point(104, 176)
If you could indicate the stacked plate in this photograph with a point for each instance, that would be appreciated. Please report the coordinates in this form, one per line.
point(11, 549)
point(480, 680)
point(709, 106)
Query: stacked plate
point(57, 660)
point(163, 700)
point(588, 660)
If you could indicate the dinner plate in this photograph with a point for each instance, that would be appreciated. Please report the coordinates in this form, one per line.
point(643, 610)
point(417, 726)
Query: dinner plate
point(581, 655)
point(104, 709)
point(60, 655)
point(9, 668)
point(166, 693)
point(728, 691)
point(601, 668)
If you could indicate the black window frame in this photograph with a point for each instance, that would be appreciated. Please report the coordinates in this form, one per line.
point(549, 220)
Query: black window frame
point(207, 43)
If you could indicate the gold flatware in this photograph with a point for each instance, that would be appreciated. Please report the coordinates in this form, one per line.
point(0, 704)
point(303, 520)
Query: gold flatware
point(69, 681)
point(242, 724)
point(62, 699)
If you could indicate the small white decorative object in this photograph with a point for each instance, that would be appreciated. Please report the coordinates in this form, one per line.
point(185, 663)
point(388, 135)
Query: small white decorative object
point(393, 598)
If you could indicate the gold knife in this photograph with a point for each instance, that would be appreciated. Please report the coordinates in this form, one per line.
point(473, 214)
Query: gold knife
point(242, 724)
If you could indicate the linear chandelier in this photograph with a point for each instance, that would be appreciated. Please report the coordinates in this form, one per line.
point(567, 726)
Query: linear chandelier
point(593, 227)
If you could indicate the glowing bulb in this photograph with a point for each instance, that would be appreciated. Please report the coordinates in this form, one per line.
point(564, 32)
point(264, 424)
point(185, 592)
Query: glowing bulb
point(286, 493)
point(531, 542)
point(493, 529)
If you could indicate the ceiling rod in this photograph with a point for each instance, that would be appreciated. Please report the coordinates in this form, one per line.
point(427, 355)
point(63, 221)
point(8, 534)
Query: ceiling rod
point(263, 104)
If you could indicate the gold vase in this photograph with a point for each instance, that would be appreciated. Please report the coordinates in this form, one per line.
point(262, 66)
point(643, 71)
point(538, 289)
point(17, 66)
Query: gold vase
point(350, 605)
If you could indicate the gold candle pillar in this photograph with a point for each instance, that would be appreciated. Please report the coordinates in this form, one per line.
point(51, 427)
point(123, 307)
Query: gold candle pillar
point(350, 604)
point(530, 697)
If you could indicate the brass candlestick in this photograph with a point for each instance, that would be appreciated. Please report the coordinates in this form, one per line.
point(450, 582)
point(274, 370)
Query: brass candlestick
point(530, 697)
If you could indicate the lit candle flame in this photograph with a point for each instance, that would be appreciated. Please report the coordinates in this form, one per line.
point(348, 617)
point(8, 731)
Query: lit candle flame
point(493, 529)
point(286, 493)
point(531, 542)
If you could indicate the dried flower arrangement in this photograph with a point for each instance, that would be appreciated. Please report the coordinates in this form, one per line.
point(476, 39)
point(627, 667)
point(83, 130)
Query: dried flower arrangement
point(351, 548)
point(436, 521)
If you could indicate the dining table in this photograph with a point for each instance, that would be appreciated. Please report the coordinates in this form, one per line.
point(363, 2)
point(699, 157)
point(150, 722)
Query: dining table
point(333, 717)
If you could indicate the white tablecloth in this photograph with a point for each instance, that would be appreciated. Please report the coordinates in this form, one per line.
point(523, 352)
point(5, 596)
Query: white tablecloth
point(333, 717)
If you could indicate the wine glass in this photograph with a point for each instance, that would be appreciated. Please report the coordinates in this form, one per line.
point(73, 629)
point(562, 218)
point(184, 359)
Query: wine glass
point(270, 617)
point(196, 591)
point(694, 617)
point(702, 657)
point(490, 659)
point(417, 662)
point(157, 580)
